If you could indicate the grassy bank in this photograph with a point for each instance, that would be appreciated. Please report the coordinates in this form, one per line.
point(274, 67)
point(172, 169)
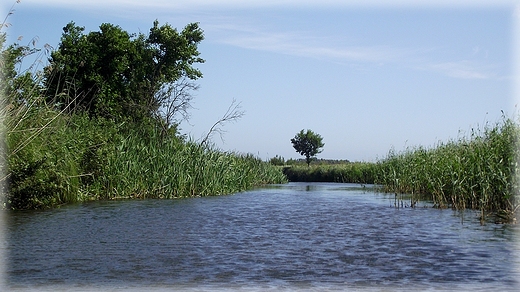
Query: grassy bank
point(60, 148)
point(350, 172)
point(89, 127)
point(54, 159)
point(170, 169)
point(478, 171)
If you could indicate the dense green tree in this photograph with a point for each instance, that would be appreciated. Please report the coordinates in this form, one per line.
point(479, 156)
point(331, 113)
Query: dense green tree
point(117, 75)
point(307, 144)
point(17, 86)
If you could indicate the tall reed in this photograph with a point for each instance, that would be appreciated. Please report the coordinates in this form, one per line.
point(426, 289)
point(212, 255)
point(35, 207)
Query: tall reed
point(350, 172)
point(478, 172)
point(155, 168)
point(42, 168)
point(54, 158)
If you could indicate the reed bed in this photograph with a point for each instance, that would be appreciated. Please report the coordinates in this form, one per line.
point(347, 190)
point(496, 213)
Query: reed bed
point(173, 169)
point(350, 172)
point(478, 171)
point(43, 165)
point(53, 158)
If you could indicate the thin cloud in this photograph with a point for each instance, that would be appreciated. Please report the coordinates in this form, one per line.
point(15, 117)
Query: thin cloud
point(304, 44)
point(464, 69)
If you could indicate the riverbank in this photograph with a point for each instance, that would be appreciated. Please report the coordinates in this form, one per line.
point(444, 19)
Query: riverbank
point(478, 171)
point(91, 127)
point(350, 172)
point(54, 159)
point(61, 149)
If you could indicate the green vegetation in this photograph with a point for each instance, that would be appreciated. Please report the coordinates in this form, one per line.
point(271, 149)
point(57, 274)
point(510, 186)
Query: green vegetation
point(120, 76)
point(307, 144)
point(355, 172)
point(478, 172)
point(103, 124)
point(277, 160)
point(56, 159)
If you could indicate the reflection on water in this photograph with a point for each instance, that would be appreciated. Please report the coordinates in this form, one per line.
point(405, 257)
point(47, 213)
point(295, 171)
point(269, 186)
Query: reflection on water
point(295, 236)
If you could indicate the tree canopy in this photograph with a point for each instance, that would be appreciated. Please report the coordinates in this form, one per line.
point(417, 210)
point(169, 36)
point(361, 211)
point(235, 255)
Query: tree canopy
point(307, 144)
point(16, 86)
point(118, 75)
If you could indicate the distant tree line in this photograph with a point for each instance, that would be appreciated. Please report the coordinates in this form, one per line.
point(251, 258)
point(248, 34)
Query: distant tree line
point(280, 161)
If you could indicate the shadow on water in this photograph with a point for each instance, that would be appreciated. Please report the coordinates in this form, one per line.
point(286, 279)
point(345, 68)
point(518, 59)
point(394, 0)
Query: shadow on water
point(298, 236)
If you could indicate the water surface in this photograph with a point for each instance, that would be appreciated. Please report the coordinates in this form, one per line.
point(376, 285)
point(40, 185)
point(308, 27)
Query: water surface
point(309, 236)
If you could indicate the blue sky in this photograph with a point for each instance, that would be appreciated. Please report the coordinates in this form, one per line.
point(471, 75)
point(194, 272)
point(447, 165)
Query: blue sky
point(366, 75)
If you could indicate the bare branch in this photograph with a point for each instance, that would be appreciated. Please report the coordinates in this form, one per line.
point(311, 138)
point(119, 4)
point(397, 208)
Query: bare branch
point(174, 101)
point(232, 114)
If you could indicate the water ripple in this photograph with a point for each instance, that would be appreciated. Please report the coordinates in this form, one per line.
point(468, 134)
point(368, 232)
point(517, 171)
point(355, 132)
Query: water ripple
point(295, 236)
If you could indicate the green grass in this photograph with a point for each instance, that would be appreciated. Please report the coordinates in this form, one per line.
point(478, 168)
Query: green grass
point(351, 172)
point(49, 158)
point(54, 159)
point(172, 169)
point(476, 172)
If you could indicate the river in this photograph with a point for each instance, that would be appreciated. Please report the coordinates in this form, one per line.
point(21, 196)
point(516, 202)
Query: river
point(297, 236)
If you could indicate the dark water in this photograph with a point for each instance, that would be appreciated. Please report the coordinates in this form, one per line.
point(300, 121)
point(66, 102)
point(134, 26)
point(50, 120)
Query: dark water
point(295, 236)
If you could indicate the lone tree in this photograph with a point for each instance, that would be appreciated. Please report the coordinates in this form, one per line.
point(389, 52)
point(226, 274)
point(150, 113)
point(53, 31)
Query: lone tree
point(307, 144)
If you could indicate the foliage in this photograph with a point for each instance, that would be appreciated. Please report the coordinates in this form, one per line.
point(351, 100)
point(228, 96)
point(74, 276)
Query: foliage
point(113, 74)
point(277, 160)
point(171, 169)
point(52, 158)
point(56, 159)
point(18, 86)
point(477, 172)
point(307, 144)
point(317, 161)
point(355, 172)
point(117, 88)
point(75, 143)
